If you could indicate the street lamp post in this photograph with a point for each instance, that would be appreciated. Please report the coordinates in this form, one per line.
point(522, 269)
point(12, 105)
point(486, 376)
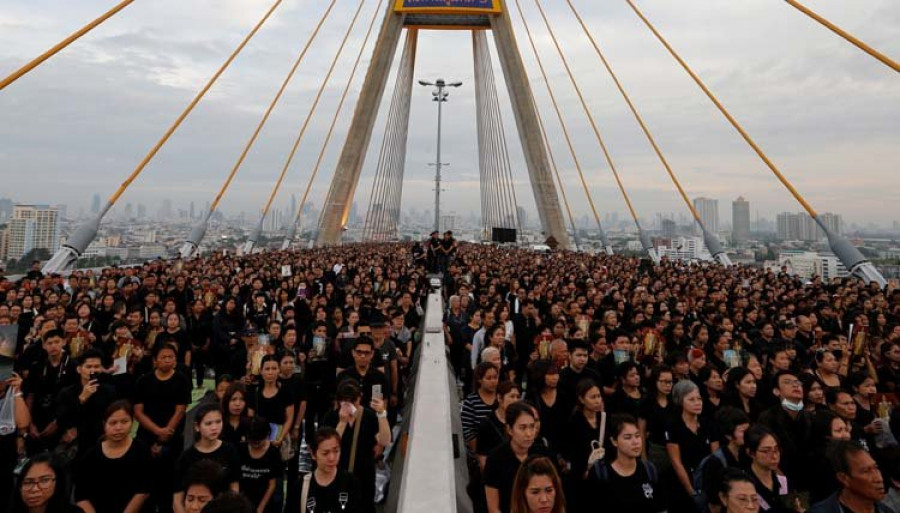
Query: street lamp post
point(439, 96)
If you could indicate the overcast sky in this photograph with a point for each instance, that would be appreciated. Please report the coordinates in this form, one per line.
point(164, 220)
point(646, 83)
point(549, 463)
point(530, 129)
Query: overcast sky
point(826, 113)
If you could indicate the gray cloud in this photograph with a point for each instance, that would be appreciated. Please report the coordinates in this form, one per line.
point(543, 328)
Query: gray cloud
point(825, 112)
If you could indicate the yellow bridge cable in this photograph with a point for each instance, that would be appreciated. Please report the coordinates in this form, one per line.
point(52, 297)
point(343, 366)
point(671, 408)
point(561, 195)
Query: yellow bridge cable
point(846, 35)
point(559, 116)
point(587, 112)
point(727, 115)
point(265, 118)
point(637, 116)
point(115, 197)
point(312, 110)
point(62, 44)
point(337, 112)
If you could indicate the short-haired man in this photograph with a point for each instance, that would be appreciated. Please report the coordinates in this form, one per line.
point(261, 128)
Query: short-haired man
point(862, 485)
point(363, 373)
point(791, 424)
point(83, 404)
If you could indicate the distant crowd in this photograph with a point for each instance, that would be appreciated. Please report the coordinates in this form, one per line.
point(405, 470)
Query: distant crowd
point(591, 383)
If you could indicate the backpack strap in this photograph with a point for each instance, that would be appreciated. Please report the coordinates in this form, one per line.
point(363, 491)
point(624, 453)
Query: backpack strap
point(601, 471)
point(652, 473)
point(304, 493)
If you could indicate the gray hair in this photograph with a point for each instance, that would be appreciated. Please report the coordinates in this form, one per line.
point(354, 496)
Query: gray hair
point(681, 390)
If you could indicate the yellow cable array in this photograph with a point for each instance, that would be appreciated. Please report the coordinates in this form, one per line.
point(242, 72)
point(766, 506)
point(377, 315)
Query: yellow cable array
point(637, 116)
point(337, 112)
point(265, 118)
point(312, 110)
point(559, 181)
point(846, 35)
point(115, 197)
point(62, 44)
point(727, 115)
point(587, 112)
point(559, 115)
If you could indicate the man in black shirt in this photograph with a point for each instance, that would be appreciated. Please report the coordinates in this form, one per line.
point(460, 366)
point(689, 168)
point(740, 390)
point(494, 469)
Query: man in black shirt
point(46, 377)
point(363, 374)
point(791, 425)
point(82, 405)
point(577, 370)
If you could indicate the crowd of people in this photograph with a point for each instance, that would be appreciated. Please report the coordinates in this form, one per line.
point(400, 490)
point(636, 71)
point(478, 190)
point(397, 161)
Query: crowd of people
point(591, 383)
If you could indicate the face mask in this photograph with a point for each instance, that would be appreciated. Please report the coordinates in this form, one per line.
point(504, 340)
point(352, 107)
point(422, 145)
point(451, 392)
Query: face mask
point(787, 405)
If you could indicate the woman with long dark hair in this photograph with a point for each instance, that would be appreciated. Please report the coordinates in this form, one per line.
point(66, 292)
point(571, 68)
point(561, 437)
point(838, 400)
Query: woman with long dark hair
point(236, 414)
point(207, 446)
point(329, 487)
point(740, 392)
point(626, 483)
point(42, 488)
point(762, 447)
point(275, 403)
point(654, 414)
point(554, 409)
point(114, 476)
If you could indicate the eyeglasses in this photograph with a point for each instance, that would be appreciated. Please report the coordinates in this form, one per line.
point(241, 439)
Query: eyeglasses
point(43, 482)
point(363, 353)
point(769, 451)
point(792, 382)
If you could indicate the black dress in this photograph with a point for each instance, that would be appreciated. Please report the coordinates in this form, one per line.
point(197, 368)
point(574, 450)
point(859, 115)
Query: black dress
point(693, 448)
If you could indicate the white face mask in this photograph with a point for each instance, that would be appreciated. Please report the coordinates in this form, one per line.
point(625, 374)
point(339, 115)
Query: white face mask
point(787, 405)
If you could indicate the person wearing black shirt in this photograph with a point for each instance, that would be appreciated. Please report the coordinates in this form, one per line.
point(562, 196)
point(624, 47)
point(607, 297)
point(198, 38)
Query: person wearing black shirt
point(161, 399)
point(577, 370)
point(492, 431)
point(503, 462)
point(362, 373)
point(46, 378)
point(113, 476)
point(362, 431)
point(687, 441)
point(199, 331)
point(261, 467)
point(274, 402)
point(320, 377)
point(626, 483)
point(82, 405)
point(791, 426)
point(433, 249)
point(207, 446)
point(329, 488)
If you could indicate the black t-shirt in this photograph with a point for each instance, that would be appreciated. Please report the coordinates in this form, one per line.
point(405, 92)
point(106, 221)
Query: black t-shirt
point(110, 484)
point(256, 473)
point(226, 455)
point(45, 381)
point(340, 496)
point(271, 408)
point(365, 456)
point(87, 417)
point(500, 471)
point(160, 398)
point(637, 493)
point(694, 446)
point(657, 418)
point(491, 434)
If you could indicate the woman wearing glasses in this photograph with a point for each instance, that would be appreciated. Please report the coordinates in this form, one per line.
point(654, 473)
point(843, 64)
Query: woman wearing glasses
point(42, 488)
point(765, 455)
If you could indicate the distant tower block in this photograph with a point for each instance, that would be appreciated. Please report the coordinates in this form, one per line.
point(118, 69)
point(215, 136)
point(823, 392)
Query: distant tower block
point(442, 15)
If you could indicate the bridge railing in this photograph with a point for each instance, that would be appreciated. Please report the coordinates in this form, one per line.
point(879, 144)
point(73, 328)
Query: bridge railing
point(429, 468)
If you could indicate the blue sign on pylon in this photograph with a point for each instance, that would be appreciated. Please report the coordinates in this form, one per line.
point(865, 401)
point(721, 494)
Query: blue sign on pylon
point(448, 6)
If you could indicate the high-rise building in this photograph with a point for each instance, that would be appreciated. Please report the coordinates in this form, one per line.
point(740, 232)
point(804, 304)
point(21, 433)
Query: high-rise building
point(740, 220)
point(522, 214)
point(95, 204)
point(801, 226)
point(4, 244)
point(33, 227)
point(708, 209)
point(669, 228)
point(141, 211)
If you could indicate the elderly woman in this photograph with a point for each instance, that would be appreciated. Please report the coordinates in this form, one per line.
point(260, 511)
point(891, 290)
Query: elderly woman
point(687, 443)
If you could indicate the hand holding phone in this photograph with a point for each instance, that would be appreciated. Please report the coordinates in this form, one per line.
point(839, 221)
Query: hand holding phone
point(377, 393)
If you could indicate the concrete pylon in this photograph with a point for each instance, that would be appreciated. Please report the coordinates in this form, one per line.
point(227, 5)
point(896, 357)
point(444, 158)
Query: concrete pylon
point(524, 110)
point(349, 167)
